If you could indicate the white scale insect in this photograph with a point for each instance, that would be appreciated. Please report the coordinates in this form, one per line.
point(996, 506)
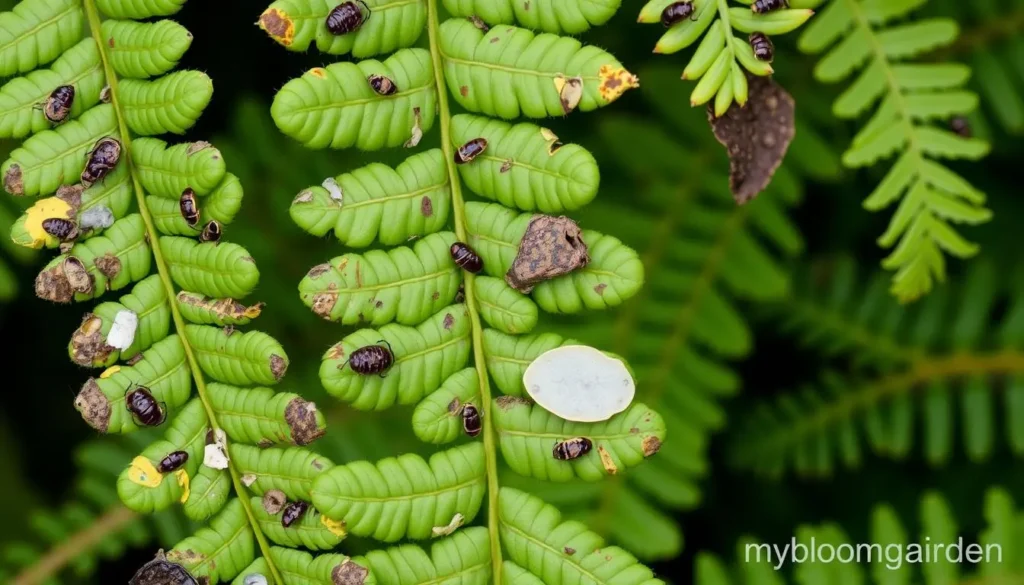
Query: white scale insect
point(122, 332)
point(579, 383)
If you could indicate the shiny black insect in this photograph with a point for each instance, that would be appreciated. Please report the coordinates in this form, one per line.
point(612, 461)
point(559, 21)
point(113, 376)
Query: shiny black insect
point(572, 448)
point(382, 84)
point(211, 232)
point(471, 420)
point(470, 150)
point(372, 359)
point(160, 571)
point(174, 460)
point(466, 258)
point(60, 228)
point(761, 6)
point(57, 106)
point(961, 126)
point(143, 406)
point(347, 17)
point(764, 50)
point(102, 159)
point(292, 512)
point(676, 12)
point(189, 207)
point(478, 22)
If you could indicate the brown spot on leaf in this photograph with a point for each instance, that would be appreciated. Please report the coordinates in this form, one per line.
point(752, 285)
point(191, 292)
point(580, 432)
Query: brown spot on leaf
point(506, 166)
point(186, 556)
point(526, 5)
point(606, 460)
point(337, 351)
point(110, 42)
point(317, 465)
point(509, 402)
point(633, 430)
point(278, 25)
point(615, 81)
point(318, 271)
point(135, 359)
point(436, 295)
point(464, 90)
point(264, 443)
point(756, 137)
point(109, 265)
point(378, 304)
point(599, 288)
point(93, 405)
point(426, 206)
point(302, 420)
point(349, 573)
point(494, 40)
point(570, 91)
point(14, 183)
point(278, 365)
point(323, 304)
point(274, 501)
point(53, 285)
point(455, 406)
point(197, 146)
point(651, 445)
point(72, 195)
point(551, 247)
point(448, 321)
point(88, 344)
point(569, 550)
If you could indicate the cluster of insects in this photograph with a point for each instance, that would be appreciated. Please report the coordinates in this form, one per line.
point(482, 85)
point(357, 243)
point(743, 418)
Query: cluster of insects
point(573, 448)
point(144, 407)
point(347, 17)
point(189, 207)
point(764, 50)
point(466, 258)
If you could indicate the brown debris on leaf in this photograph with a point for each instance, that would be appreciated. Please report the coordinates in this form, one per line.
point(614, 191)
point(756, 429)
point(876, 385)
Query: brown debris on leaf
point(14, 183)
point(756, 136)
point(651, 445)
point(196, 147)
point(301, 418)
point(93, 405)
point(274, 501)
point(551, 247)
point(88, 344)
point(508, 402)
point(72, 195)
point(278, 365)
point(323, 304)
point(109, 265)
point(349, 573)
point(60, 283)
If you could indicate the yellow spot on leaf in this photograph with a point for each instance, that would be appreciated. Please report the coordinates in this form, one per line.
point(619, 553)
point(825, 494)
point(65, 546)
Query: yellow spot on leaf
point(278, 25)
point(143, 472)
point(615, 82)
point(110, 372)
point(318, 72)
point(183, 481)
point(336, 527)
point(606, 461)
point(253, 311)
point(34, 235)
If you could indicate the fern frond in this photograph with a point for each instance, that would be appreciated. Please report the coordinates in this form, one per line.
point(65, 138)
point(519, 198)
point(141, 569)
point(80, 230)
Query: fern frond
point(943, 357)
point(86, 159)
point(910, 97)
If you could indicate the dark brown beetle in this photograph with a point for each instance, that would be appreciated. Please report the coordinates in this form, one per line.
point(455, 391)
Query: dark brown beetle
point(160, 571)
point(102, 159)
point(57, 106)
point(471, 420)
point(143, 406)
point(764, 50)
point(372, 359)
point(211, 232)
point(572, 448)
point(189, 207)
point(174, 460)
point(347, 17)
point(466, 258)
point(382, 84)
point(60, 228)
point(961, 126)
point(762, 6)
point(470, 150)
point(293, 512)
point(677, 12)
point(478, 22)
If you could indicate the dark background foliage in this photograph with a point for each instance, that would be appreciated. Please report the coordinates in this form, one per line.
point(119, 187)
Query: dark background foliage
point(39, 429)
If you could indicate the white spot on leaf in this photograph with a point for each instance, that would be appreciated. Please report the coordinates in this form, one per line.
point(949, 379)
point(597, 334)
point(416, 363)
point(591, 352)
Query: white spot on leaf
point(248, 479)
point(254, 579)
point(334, 189)
point(122, 332)
point(456, 522)
point(579, 383)
point(215, 455)
point(99, 217)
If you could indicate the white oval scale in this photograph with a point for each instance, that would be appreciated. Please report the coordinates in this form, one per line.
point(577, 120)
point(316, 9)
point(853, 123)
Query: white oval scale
point(579, 383)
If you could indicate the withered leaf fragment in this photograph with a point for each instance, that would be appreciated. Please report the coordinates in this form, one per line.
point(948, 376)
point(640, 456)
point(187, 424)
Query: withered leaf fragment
point(756, 136)
point(551, 247)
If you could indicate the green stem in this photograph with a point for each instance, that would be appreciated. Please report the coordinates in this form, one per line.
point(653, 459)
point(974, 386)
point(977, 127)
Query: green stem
point(458, 205)
point(723, 14)
point(153, 237)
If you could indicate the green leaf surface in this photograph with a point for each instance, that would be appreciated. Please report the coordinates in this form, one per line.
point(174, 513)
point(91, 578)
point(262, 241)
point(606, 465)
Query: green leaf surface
point(380, 204)
point(510, 72)
point(221, 550)
point(138, 9)
point(438, 417)
point(335, 106)
point(503, 307)
point(405, 496)
point(463, 557)
point(260, 416)
point(37, 32)
point(148, 301)
point(403, 284)
point(527, 435)
point(290, 469)
point(170, 104)
point(166, 171)
point(235, 357)
point(307, 532)
point(298, 24)
point(210, 490)
point(220, 269)
point(139, 50)
point(572, 17)
point(519, 170)
point(425, 356)
point(301, 568)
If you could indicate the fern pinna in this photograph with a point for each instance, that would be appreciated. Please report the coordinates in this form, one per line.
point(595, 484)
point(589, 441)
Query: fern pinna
point(422, 313)
point(92, 89)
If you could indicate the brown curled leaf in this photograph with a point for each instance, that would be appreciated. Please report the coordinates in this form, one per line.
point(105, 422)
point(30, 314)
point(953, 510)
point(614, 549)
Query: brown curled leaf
point(755, 136)
point(551, 247)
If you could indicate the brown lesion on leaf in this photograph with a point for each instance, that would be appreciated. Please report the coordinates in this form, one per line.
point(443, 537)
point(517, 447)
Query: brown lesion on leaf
point(650, 445)
point(449, 321)
point(278, 365)
point(615, 81)
point(14, 182)
point(464, 90)
point(278, 25)
point(569, 550)
point(755, 136)
point(197, 146)
point(506, 402)
point(186, 556)
point(93, 405)
point(570, 91)
point(318, 271)
point(599, 288)
point(336, 352)
point(349, 573)
point(305, 196)
point(274, 501)
point(72, 195)
point(88, 344)
point(426, 206)
point(302, 421)
point(506, 166)
point(135, 359)
point(57, 285)
point(226, 309)
point(551, 247)
point(109, 265)
point(323, 304)
point(606, 460)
